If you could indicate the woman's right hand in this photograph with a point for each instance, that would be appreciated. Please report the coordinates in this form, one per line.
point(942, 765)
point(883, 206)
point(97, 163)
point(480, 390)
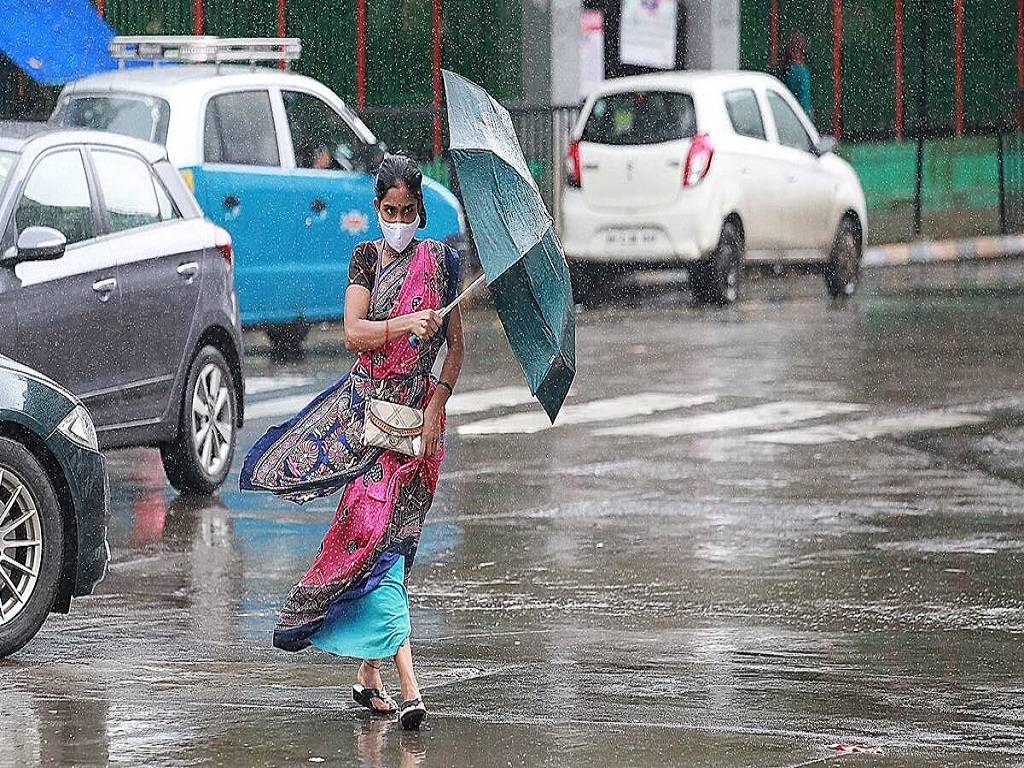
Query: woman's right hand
point(425, 323)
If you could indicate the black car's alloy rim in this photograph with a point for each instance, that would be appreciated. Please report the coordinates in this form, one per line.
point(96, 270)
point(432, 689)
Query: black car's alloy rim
point(212, 419)
point(21, 544)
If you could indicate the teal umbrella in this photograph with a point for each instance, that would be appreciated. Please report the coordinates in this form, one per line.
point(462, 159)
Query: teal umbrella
point(523, 262)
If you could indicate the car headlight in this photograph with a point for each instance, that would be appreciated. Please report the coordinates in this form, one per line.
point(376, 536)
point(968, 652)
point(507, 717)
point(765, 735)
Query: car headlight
point(77, 427)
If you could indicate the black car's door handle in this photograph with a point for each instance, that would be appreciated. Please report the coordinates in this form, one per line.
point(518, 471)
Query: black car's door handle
point(105, 287)
point(318, 205)
point(231, 201)
point(188, 270)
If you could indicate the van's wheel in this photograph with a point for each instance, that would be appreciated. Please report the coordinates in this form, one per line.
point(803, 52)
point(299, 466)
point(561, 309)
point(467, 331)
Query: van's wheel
point(198, 460)
point(31, 546)
point(842, 270)
point(716, 280)
point(286, 339)
point(591, 282)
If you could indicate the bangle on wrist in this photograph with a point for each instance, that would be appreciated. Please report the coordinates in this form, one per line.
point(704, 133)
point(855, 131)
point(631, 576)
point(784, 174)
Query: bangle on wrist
point(447, 386)
point(387, 331)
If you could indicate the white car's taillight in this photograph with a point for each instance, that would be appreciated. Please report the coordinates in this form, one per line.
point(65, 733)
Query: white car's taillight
point(698, 160)
point(222, 242)
point(573, 176)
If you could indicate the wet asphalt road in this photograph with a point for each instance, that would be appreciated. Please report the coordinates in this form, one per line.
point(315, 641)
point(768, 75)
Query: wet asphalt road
point(760, 532)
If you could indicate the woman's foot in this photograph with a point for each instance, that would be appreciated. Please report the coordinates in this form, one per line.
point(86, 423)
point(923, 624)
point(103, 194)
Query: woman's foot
point(369, 690)
point(412, 713)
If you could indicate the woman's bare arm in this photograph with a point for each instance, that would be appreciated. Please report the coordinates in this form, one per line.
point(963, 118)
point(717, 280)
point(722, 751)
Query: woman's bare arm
point(450, 374)
point(362, 335)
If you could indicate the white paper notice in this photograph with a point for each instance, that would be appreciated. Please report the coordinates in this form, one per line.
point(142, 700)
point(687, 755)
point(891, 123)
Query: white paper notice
point(591, 51)
point(648, 33)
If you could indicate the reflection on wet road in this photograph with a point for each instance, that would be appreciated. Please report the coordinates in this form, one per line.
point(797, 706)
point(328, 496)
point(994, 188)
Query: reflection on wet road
point(756, 534)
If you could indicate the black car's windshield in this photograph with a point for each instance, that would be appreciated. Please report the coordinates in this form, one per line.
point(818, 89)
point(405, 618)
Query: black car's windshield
point(7, 162)
point(640, 117)
point(142, 117)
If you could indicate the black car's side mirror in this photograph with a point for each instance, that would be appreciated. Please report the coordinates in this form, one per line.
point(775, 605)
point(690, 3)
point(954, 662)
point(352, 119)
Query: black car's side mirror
point(40, 244)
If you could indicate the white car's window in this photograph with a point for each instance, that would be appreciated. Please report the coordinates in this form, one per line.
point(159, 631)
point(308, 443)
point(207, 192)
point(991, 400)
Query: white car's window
point(57, 195)
point(744, 113)
point(791, 131)
point(129, 194)
point(321, 137)
point(142, 117)
point(239, 130)
point(641, 117)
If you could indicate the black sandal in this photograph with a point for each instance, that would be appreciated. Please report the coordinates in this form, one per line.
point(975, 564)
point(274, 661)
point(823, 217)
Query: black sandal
point(411, 714)
point(365, 697)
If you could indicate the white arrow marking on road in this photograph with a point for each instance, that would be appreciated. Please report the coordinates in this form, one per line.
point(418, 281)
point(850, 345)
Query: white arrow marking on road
point(758, 416)
point(458, 405)
point(867, 429)
point(628, 406)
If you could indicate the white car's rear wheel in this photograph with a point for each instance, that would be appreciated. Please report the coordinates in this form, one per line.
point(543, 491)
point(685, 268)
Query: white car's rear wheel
point(716, 280)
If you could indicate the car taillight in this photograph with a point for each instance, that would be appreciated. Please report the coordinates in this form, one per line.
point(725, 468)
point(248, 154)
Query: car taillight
point(573, 177)
point(222, 242)
point(698, 160)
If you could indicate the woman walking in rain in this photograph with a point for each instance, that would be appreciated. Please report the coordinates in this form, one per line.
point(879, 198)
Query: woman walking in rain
point(352, 602)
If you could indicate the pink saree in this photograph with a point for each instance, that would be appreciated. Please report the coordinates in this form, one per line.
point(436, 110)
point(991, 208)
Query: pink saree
point(320, 451)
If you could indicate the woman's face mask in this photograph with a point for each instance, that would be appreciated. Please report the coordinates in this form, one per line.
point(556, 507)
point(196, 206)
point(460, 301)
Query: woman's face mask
point(397, 234)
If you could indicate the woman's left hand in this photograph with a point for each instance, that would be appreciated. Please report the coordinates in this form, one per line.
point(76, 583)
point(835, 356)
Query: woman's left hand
point(430, 438)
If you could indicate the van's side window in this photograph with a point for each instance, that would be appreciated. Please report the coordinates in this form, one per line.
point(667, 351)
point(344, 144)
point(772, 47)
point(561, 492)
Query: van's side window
point(321, 137)
point(239, 130)
point(57, 196)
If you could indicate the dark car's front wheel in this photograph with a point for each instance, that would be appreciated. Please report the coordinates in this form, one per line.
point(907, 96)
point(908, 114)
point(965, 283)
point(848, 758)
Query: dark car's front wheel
point(31, 546)
point(198, 460)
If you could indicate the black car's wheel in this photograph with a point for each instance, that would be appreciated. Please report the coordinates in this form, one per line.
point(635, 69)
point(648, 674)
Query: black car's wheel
point(591, 282)
point(31, 546)
point(842, 270)
point(716, 280)
point(286, 339)
point(200, 457)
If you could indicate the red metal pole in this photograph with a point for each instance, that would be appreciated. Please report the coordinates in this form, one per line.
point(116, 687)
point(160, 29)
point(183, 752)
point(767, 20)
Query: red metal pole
point(837, 67)
point(282, 26)
point(898, 66)
point(437, 77)
point(958, 66)
point(198, 19)
point(101, 7)
point(773, 34)
point(1020, 62)
point(361, 54)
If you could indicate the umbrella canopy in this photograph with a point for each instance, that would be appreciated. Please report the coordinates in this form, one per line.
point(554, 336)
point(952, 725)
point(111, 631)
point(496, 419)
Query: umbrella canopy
point(522, 259)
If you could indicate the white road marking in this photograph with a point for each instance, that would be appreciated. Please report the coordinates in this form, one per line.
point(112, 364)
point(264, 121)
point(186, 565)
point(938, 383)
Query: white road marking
point(278, 406)
point(868, 429)
point(487, 399)
point(256, 385)
point(628, 406)
point(754, 417)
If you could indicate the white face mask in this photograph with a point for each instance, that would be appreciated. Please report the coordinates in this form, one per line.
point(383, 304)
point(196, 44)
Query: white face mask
point(397, 234)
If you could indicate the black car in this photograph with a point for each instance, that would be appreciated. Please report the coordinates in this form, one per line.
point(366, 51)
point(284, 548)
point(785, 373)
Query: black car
point(53, 503)
point(114, 285)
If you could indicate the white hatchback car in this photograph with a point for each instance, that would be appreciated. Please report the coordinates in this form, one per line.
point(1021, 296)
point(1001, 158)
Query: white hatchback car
point(709, 170)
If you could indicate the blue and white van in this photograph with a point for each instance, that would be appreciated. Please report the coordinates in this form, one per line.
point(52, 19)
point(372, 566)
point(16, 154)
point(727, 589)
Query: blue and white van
point(275, 158)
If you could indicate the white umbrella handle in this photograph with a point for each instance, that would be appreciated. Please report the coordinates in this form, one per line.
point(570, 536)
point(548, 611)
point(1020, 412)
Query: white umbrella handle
point(414, 341)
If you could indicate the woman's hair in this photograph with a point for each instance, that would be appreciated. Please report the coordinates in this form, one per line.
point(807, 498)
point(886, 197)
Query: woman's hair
point(399, 170)
point(796, 48)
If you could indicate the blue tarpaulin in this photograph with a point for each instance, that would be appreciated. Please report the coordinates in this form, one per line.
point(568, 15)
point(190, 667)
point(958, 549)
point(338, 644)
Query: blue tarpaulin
point(55, 41)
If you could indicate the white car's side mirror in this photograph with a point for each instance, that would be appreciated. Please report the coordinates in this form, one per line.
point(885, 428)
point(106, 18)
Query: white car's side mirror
point(825, 145)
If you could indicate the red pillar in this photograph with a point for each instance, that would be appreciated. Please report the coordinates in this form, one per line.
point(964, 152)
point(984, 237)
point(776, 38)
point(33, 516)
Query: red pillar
point(198, 17)
point(898, 67)
point(1020, 61)
point(282, 26)
point(773, 35)
point(361, 54)
point(958, 66)
point(101, 7)
point(437, 76)
point(837, 68)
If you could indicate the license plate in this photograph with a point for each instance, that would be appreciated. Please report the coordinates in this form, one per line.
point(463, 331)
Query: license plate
point(630, 238)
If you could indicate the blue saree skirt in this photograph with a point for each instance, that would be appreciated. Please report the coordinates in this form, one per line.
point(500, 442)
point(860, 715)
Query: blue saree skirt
point(373, 626)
